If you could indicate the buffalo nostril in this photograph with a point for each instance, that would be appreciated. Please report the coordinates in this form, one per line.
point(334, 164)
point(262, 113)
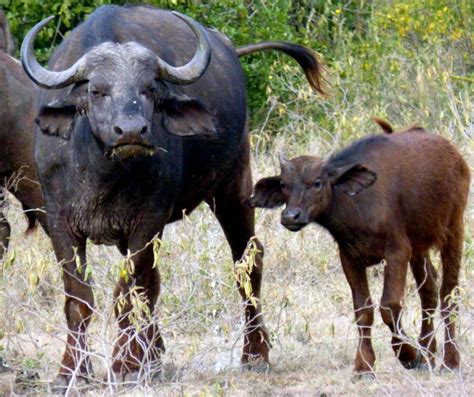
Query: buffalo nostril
point(292, 214)
point(295, 215)
point(143, 130)
point(118, 130)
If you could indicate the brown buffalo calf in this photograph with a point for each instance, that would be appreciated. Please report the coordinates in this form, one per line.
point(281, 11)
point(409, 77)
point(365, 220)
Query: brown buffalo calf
point(391, 197)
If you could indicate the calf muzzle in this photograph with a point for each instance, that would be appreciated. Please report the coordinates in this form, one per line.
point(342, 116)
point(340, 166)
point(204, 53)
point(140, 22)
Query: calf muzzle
point(294, 219)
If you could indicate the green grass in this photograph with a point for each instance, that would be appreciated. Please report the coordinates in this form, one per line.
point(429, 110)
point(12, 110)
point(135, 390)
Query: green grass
point(377, 70)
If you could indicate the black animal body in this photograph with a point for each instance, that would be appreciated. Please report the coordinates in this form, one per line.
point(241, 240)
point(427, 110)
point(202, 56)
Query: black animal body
point(126, 143)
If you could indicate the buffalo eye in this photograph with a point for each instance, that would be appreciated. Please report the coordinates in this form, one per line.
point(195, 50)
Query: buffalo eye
point(318, 184)
point(95, 93)
point(150, 91)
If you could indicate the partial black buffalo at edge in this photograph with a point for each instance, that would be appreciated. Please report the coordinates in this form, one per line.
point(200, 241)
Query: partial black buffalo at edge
point(18, 108)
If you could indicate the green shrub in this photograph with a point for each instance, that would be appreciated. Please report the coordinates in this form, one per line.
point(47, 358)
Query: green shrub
point(361, 41)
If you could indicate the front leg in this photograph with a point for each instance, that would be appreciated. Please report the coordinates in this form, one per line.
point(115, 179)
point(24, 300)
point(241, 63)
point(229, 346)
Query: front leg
point(139, 345)
point(78, 306)
point(356, 276)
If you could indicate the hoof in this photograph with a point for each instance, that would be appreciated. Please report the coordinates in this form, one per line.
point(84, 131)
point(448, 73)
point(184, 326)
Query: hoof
point(59, 385)
point(129, 378)
point(62, 383)
point(4, 367)
point(135, 378)
point(256, 349)
point(363, 376)
point(446, 370)
point(256, 364)
point(424, 367)
point(413, 364)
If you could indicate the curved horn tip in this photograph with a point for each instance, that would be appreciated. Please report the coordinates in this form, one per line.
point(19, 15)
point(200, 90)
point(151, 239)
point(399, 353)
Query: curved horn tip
point(189, 21)
point(179, 15)
point(33, 32)
point(41, 76)
point(195, 68)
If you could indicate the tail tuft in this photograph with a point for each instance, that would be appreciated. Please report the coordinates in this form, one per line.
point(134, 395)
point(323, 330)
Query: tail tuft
point(32, 220)
point(307, 59)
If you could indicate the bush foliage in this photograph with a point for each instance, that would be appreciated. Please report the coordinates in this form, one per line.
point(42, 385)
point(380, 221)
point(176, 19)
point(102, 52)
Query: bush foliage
point(342, 31)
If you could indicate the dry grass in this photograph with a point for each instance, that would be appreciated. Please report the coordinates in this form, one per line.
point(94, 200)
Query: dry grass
point(307, 305)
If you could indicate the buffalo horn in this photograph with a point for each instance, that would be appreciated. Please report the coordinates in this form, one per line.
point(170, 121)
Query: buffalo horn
point(41, 76)
point(284, 163)
point(195, 68)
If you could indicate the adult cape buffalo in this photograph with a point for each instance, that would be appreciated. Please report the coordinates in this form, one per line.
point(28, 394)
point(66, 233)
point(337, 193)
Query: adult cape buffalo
point(127, 142)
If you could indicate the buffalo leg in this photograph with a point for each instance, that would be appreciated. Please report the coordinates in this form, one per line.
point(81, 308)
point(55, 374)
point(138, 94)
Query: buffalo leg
point(5, 229)
point(364, 313)
point(425, 277)
point(451, 255)
point(237, 223)
point(395, 273)
point(137, 349)
point(78, 307)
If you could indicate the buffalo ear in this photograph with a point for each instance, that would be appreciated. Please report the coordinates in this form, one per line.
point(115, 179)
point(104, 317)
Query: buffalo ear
point(57, 121)
point(185, 116)
point(352, 178)
point(266, 193)
point(57, 118)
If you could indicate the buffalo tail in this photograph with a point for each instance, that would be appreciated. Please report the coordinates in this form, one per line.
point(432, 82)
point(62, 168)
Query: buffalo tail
point(306, 58)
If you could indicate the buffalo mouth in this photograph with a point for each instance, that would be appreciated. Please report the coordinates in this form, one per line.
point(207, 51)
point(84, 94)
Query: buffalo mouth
point(131, 150)
point(295, 227)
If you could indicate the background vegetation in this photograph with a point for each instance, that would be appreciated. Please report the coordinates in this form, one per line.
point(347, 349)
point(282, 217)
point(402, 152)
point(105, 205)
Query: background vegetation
point(408, 61)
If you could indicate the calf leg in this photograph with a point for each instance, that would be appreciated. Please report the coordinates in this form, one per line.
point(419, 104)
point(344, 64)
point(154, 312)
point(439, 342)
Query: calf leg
point(425, 277)
point(237, 222)
point(139, 344)
point(451, 254)
point(5, 229)
point(364, 313)
point(395, 272)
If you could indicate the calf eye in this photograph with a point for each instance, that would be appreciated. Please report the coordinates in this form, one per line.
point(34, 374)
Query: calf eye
point(318, 184)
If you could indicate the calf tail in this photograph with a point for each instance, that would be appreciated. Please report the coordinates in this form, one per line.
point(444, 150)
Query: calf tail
point(31, 219)
point(387, 128)
point(306, 58)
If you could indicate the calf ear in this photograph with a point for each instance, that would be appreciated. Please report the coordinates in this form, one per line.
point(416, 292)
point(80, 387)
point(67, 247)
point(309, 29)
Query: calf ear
point(266, 193)
point(185, 116)
point(352, 178)
point(57, 118)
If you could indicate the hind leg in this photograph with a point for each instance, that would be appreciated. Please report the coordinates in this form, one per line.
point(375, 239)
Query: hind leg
point(238, 225)
point(397, 255)
point(425, 277)
point(237, 222)
point(5, 229)
point(451, 254)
